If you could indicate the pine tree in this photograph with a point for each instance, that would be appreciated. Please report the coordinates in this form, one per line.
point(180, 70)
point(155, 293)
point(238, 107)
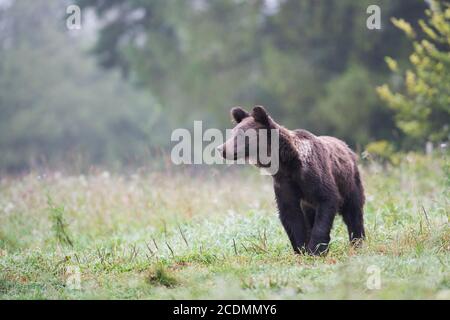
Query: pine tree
point(422, 100)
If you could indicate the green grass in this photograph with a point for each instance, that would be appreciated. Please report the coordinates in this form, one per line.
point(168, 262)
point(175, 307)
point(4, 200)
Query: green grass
point(216, 235)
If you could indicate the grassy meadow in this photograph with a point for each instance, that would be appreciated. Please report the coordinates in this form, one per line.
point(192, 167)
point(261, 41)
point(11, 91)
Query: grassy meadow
point(215, 234)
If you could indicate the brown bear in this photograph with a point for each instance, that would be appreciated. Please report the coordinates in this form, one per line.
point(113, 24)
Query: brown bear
point(317, 177)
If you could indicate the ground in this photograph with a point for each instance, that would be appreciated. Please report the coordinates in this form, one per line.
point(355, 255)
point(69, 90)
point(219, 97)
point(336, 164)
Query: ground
point(215, 234)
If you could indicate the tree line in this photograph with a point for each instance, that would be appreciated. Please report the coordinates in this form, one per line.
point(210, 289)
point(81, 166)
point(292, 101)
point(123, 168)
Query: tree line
point(158, 65)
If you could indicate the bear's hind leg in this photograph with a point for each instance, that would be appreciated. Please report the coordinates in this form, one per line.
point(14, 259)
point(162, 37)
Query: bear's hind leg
point(352, 212)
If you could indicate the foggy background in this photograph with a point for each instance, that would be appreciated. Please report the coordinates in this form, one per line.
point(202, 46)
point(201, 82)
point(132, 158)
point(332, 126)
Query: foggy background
point(111, 93)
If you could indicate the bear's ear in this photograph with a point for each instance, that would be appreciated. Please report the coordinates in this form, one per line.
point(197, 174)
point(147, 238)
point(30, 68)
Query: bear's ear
point(260, 114)
point(238, 114)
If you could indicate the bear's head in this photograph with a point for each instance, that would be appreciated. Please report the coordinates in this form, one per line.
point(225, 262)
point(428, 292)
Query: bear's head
point(245, 140)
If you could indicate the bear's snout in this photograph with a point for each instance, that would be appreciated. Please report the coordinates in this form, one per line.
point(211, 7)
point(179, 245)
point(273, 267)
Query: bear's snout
point(220, 149)
point(226, 152)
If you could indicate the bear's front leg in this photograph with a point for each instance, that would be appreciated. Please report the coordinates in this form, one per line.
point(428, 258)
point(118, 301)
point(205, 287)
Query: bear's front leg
point(291, 215)
point(320, 234)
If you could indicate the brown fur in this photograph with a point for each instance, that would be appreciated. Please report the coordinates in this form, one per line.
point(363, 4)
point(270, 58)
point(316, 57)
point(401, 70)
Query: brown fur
point(317, 177)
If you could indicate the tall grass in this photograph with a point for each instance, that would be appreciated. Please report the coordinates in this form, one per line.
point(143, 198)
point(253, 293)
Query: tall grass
point(215, 234)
